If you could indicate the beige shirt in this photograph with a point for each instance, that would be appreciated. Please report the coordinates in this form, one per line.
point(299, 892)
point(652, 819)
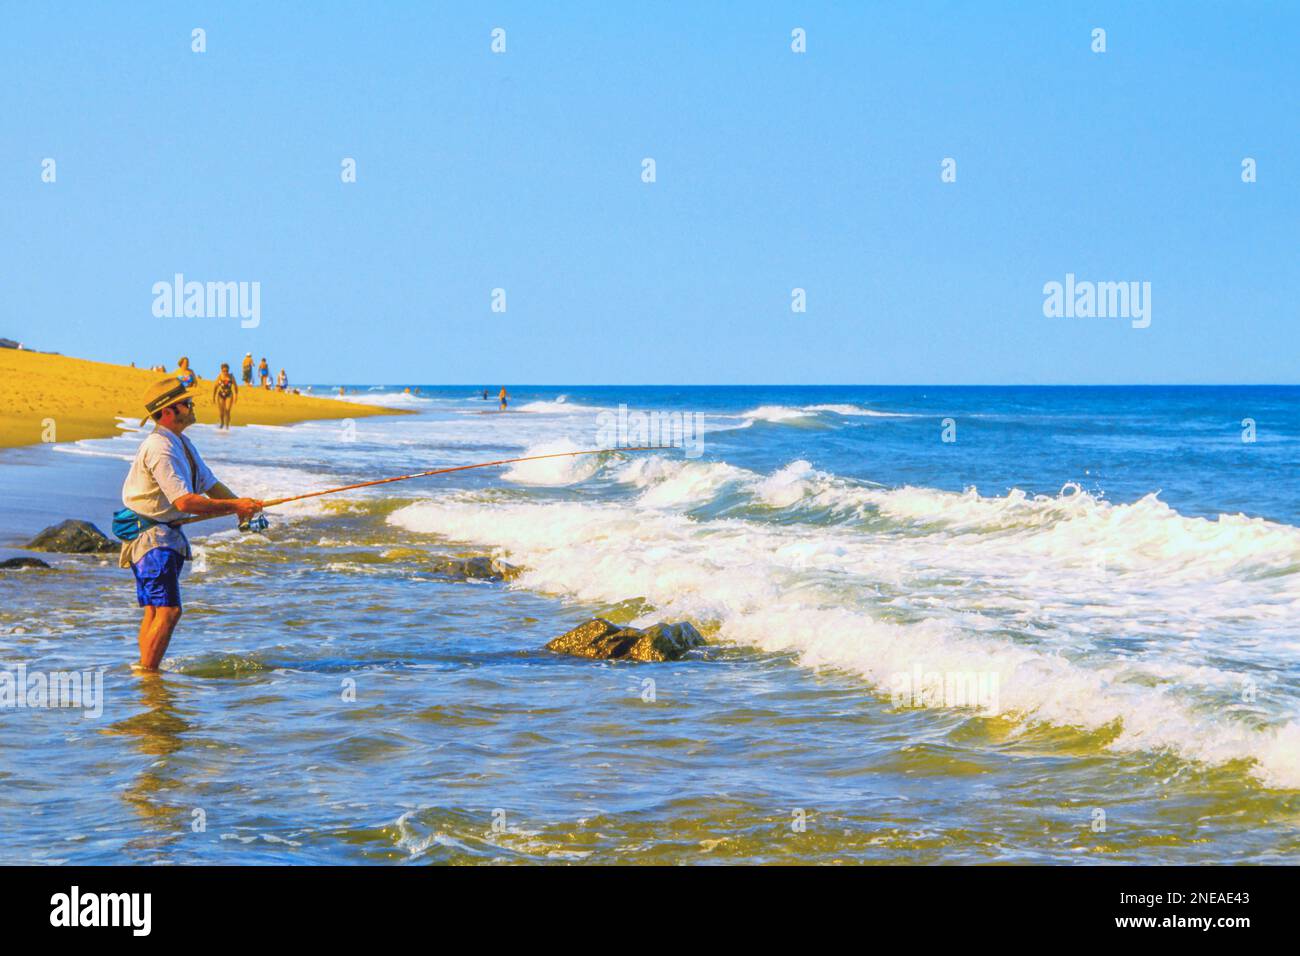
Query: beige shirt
point(160, 474)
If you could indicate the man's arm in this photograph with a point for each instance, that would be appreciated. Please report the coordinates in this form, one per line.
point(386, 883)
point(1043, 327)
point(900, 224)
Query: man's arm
point(200, 505)
point(219, 490)
point(219, 500)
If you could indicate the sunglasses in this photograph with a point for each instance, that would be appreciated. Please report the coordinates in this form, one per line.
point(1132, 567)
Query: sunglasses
point(187, 403)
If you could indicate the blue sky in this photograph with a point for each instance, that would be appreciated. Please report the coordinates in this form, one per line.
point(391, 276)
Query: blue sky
point(775, 170)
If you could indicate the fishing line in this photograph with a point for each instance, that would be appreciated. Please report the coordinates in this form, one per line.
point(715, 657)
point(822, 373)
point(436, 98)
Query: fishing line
point(422, 474)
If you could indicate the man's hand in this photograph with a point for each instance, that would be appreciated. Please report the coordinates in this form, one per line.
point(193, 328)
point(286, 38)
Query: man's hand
point(245, 508)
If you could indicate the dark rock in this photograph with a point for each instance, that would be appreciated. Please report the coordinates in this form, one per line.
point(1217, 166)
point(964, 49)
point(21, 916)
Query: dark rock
point(592, 639)
point(667, 641)
point(603, 640)
point(477, 569)
point(73, 537)
point(12, 564)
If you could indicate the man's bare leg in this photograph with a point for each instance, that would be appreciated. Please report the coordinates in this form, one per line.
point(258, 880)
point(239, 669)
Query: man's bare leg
point(146, 624)
point(154, 641)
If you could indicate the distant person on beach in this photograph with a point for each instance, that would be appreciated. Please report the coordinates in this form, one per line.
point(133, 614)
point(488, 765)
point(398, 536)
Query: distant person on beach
point(185, 373)
point(281, 381)
point(503, 398)
point(248, 368)
point(167, 481)
point(485, 395)
point(264, 371)
point(225, 393)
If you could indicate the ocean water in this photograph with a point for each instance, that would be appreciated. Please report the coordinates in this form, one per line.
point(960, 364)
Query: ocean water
point(946, 625)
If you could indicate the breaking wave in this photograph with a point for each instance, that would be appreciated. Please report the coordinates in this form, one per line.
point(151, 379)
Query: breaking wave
point(1126, 619)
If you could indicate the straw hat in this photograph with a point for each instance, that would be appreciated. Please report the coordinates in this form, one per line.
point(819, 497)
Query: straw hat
point(163, 393)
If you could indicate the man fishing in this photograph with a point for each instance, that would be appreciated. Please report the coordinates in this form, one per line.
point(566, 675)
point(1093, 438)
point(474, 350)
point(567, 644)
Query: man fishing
point(167, 481)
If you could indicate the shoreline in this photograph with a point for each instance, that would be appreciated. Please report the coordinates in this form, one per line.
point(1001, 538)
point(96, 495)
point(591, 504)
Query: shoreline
point(74, 399)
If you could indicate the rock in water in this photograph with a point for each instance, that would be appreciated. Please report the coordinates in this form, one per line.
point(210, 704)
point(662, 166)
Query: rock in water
point(12, 564)
point(592, 639)
point(478, 569)
point(603, 640)
point(667, 642)
point(72, 537)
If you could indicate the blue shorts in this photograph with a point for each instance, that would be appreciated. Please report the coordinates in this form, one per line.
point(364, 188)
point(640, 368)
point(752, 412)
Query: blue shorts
point(158, 578)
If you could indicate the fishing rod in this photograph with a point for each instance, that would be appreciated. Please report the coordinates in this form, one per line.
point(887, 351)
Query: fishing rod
point(421, 474)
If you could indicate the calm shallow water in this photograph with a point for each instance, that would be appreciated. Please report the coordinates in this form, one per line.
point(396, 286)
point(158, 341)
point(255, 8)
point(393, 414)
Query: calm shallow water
point(828, 540)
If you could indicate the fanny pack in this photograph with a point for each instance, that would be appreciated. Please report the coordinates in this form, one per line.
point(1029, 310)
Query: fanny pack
point(127, 525)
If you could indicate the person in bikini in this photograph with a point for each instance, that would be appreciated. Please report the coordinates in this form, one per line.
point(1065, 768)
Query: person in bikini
point(225, 393)
point(185, 373)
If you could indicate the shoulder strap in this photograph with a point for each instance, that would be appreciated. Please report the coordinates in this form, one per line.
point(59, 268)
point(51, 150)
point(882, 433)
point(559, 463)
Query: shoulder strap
point(194, 469)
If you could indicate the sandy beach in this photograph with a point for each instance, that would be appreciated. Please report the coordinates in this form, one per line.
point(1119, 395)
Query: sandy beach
point(83, 399)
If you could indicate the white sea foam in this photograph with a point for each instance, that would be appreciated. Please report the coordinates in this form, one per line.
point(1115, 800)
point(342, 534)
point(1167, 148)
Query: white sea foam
point(785, 414)
point(561, 406)
point(97, 449)
point(1131, 617)
point(1073, 526)
point(384, 399)
point(856, 411)
point(777, 413)
point(783, 488)
point(267, 481)
point(669, 482)
point(553, 471)
point(797, 484)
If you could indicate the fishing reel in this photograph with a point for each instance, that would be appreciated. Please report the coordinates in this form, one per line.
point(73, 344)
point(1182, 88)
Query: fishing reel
point(255, 525)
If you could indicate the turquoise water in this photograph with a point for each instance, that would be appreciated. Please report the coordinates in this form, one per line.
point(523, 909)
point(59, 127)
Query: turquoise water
point(1112, 572)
